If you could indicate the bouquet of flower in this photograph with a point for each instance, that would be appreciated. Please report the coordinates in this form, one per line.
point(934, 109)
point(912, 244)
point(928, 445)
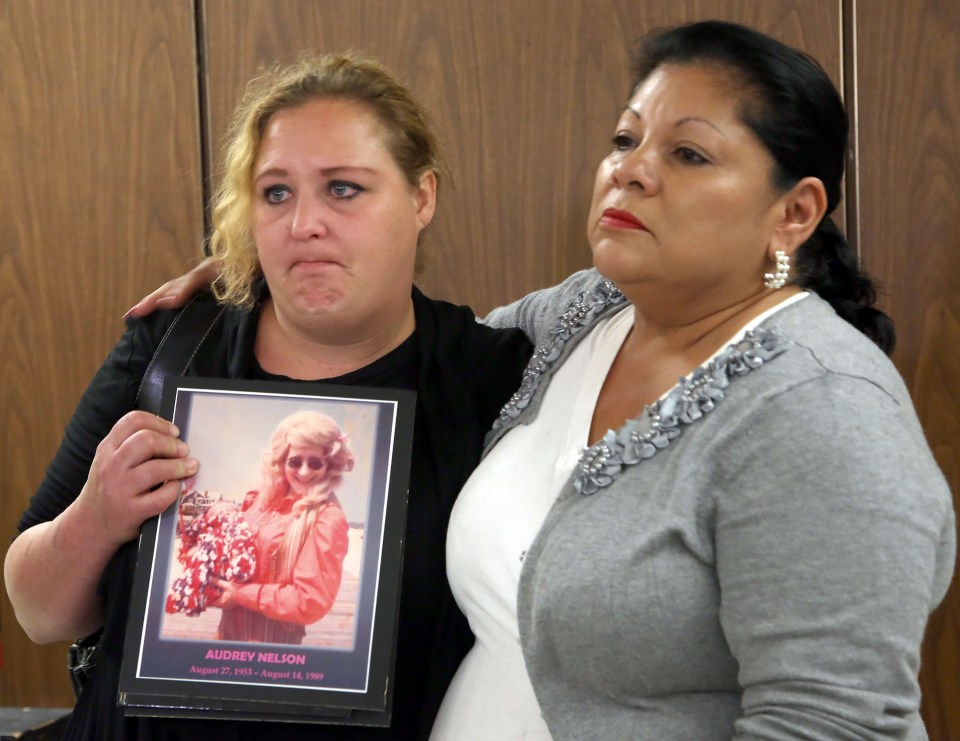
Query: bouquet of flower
point(218, 543)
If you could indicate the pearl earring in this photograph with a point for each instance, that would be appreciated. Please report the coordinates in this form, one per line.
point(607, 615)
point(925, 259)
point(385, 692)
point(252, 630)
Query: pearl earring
point(778, 278)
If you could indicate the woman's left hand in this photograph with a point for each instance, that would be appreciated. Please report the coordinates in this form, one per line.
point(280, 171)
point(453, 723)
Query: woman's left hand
point(228, 595)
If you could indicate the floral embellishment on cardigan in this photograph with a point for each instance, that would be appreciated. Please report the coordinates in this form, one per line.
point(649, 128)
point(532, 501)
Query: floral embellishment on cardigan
point(580, 314)
point(662, 422)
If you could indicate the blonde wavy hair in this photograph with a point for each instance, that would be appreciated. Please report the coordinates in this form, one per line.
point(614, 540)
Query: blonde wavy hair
point(353, 77)
point(305, 428)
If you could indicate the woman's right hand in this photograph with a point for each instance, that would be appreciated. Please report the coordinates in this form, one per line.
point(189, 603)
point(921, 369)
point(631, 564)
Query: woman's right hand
point(52, 569)
point(175, 293)
point(135, 475)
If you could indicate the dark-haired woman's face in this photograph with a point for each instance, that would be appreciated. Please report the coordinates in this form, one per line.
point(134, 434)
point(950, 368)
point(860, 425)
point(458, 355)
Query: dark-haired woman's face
point(684, 201)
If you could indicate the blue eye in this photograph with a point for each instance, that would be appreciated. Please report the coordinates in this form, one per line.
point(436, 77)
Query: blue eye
point(276, 193)
point(344, 190)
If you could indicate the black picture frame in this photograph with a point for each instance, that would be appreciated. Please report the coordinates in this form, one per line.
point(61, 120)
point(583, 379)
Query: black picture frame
point(342, 673)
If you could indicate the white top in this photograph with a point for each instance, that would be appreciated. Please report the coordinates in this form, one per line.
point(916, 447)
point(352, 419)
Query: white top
point(495, 519)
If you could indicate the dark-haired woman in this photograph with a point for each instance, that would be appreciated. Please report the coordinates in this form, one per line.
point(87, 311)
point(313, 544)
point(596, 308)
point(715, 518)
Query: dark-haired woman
point(750, 552)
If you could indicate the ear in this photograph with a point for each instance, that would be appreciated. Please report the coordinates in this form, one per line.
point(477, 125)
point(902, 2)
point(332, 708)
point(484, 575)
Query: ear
point(802, 208)
point(425, 198)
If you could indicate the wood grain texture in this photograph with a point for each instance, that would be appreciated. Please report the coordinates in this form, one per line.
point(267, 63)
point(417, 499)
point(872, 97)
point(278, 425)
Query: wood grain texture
point(100, 176)
point(909, 103)
point(103, 184)
point(524, 94)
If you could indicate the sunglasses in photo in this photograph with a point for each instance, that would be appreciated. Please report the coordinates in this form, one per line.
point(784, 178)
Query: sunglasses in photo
point(313, 463)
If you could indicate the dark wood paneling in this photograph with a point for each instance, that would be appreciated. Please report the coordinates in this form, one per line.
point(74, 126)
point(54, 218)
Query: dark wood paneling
point(100, 102)
point(525, 95)
point(100, 179)
point(909, 105)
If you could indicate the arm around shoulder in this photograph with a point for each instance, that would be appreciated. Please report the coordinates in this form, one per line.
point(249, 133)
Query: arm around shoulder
point(538, 311)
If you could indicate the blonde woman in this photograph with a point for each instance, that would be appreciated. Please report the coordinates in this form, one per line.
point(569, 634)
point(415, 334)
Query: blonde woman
point(331, 175)
point(300, 533)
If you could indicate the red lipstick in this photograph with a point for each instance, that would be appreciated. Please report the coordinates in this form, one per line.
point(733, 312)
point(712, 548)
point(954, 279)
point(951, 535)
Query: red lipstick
point(614, 217)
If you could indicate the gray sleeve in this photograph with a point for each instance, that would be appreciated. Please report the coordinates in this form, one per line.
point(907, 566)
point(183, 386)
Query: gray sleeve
point(834, 540)
point(536, 312)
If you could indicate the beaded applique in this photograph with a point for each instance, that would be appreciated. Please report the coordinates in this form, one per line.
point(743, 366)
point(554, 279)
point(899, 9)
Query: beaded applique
point(662, 422)
point(659, 424)
point(578, 315)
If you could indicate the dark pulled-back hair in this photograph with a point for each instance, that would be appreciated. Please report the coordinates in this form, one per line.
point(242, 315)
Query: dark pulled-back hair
point(797, 114)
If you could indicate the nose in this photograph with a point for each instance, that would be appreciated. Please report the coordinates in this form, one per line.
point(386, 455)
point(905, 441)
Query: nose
point(637, 168)
point(309, 219)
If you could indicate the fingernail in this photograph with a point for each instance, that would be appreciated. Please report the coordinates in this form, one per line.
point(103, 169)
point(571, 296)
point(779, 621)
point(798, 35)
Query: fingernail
point(165, 299)
point(129, 311)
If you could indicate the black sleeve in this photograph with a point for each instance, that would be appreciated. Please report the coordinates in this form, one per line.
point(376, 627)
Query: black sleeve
point(497, 358)
point(111, 394)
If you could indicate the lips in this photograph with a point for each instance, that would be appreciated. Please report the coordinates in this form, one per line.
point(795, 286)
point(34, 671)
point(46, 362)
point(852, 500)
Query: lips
point(313, 264)
point(617, 219)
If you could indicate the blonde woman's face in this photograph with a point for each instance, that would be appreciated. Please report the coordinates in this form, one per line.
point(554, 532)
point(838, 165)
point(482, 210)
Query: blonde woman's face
point(305, 466)
point(335, 220)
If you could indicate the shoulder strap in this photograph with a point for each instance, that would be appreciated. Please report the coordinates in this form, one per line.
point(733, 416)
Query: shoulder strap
point(179, 345)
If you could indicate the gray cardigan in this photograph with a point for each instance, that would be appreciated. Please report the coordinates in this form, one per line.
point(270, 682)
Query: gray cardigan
point(758, 563)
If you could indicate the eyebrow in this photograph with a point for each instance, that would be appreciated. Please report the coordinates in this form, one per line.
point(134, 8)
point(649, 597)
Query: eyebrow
point(325, 171)
point(685, 119)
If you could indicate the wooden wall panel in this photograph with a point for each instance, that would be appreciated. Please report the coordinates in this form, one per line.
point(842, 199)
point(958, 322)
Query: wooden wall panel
point(524, 94)
point(100, 175)
point(908, 89)
point(102, 182)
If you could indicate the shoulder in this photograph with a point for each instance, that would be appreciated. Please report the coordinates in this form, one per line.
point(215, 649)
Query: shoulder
point(151, 335)
point(330, 516)
point(829, 386)
point(536, 312)
point(825, 344)
point(455, 332)
point(830, 418)
point(467, 370)
point(111, 393)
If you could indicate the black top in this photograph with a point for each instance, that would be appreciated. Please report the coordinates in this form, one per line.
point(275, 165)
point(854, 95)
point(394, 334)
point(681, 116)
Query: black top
point(462, 372)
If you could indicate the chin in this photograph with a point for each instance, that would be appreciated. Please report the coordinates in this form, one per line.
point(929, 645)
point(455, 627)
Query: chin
point(610, 260)
point(318, 300)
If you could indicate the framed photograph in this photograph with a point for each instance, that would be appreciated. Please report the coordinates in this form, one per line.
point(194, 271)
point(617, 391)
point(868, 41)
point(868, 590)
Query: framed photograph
point(270, 589)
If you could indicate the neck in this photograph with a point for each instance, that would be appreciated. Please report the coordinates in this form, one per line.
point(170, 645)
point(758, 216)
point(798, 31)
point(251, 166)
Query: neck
point(697, 335)
point(662, 351)
point(311, 352)
point(656, 353)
